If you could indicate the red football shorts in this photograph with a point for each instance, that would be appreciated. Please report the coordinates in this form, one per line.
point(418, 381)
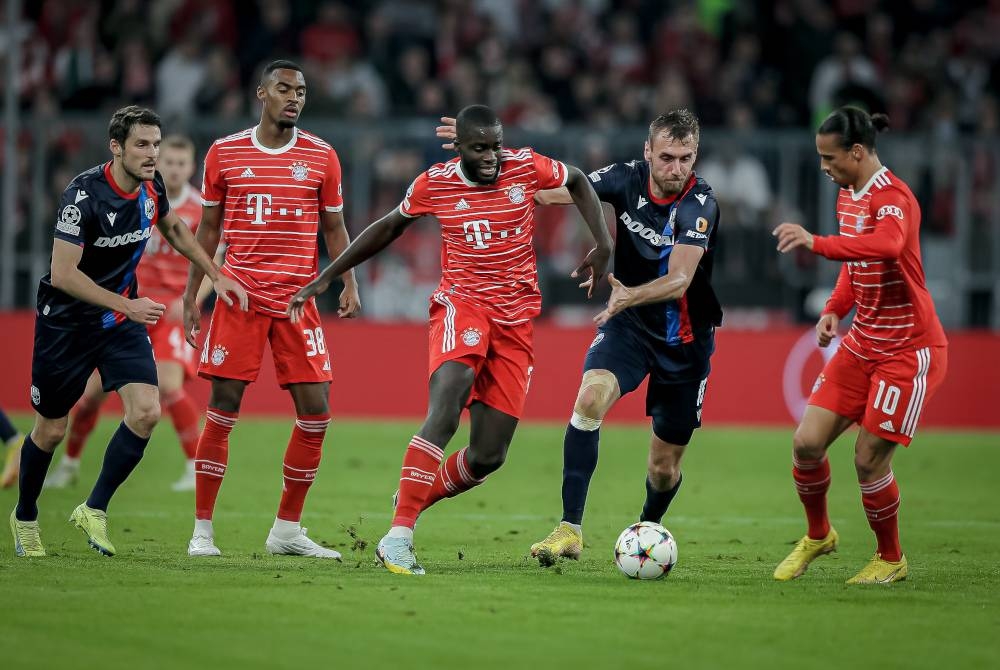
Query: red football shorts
point(235, 342)
point(501, 355)
point(169, 346)
point(886, 397)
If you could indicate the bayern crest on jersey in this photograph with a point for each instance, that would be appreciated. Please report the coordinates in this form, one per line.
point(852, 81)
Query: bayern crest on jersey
point(299, 171)
point(471, 337)
point(516, 194)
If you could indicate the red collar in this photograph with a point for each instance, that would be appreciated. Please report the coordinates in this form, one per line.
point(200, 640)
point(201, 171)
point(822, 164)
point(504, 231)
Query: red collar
point(115, 187)
point(670, 198)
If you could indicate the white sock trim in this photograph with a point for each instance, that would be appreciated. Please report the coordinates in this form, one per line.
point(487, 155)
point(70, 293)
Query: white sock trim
point(583, 423)
point(286, 529)
point(401, 531)
point(203, 527)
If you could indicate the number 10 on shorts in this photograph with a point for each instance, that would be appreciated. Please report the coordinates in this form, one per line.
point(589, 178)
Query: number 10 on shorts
point(886, 398)
point(315, 343)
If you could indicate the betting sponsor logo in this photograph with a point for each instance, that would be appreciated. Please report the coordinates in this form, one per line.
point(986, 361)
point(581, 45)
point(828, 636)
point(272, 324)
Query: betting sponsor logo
point(125, 238)
point(694, 234)
point(889, 210)
point(645, 232)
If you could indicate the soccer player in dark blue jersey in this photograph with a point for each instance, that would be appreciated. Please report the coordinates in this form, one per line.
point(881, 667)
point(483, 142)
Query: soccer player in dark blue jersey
point(660, 319)
point(89, 315)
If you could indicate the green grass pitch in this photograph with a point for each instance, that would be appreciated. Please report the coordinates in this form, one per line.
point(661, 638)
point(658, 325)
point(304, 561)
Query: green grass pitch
point(484, 604)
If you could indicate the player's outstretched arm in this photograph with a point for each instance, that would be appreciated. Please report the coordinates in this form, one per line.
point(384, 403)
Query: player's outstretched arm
point(372, 240)
point(586, 200)
point(67, 277)
point(684, 259)
point(336, 238)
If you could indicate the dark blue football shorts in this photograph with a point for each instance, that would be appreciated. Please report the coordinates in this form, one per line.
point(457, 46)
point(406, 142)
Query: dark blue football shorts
point(63, 359)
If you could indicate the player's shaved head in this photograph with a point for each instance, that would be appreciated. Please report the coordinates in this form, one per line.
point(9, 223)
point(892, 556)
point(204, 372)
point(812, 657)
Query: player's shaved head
point(472, 120)
point(269, 69)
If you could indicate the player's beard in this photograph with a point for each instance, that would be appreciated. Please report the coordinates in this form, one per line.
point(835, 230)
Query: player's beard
point(286, 123)
point(669, 187)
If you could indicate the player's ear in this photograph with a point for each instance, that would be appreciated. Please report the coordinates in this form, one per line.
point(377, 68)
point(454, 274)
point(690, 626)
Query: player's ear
point(646, 153)
point(261, 92)
point(116, 148)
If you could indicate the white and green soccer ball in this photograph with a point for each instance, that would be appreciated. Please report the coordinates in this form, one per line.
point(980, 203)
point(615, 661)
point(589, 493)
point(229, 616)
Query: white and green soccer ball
point(645, 550)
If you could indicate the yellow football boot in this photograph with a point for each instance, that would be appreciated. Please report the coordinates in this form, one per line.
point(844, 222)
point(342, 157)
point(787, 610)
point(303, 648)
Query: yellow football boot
point(805, 552)
point(27, 541)
point(880, 571)
point(563, 541)
point(94, 523)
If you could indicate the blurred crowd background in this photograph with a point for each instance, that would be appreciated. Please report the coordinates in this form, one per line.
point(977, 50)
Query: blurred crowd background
point(577, 79)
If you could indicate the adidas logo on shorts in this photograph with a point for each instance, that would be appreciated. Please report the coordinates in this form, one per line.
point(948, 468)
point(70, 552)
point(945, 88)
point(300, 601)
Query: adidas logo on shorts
point(887, 425)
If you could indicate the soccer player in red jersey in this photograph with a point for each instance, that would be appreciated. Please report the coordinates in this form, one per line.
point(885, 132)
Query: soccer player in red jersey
point(278, 187)
point(162, 275)
point(890, 362)
point(480, 316)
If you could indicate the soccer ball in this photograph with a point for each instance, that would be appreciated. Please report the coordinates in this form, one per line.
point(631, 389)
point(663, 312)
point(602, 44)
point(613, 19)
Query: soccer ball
point(645, 550)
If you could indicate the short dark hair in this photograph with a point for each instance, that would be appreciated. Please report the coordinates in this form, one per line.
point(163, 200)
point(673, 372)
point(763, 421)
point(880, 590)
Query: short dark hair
point(475, 116)
point(679, 124)
point(277, 65)
point(126, 118)
point(854, 126)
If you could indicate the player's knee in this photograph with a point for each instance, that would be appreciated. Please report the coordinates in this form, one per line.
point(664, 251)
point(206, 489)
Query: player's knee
point(671, 431)
point(48, 434)
point(869, 467)
point(485, 462)
point(596, 395)
point(143, 417)
point(807, 445)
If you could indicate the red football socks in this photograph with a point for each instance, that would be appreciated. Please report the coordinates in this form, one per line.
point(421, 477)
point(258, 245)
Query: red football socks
point(184, 415)
point(881, 501)
point(81, 425)
point(453, 478)
point(812, 480)
point(211, 458)
point(305, 449)
point(420, 464)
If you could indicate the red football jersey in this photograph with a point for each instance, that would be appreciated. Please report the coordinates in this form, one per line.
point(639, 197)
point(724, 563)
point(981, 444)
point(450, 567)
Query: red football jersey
point(272, 200)
point(883, 275)
point(163, 270)
point(486, 230)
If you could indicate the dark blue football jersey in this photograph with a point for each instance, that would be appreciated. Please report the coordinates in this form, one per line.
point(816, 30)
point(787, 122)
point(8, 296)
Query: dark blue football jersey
point(112, 226)
point(647, 231)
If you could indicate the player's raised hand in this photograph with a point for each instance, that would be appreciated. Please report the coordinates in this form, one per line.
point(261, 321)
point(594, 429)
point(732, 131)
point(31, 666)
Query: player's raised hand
point(192, 322)
point(597, 262)
point(224, 286)
point(621, 297)
point(447, 131)
point(144, 311)
point(350, 302)
point(826, 329)
point(791, 236)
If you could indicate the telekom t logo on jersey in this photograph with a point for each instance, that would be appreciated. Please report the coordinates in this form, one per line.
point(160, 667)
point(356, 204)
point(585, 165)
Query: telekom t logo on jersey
point(256, 207)
point(478, 231)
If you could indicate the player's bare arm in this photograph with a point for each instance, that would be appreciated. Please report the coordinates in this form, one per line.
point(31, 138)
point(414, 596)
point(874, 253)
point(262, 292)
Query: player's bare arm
point(336, 238)
point(67, 277)
point(586, 200)
point(372, 240)
point(208, 236)
point(683, 264)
